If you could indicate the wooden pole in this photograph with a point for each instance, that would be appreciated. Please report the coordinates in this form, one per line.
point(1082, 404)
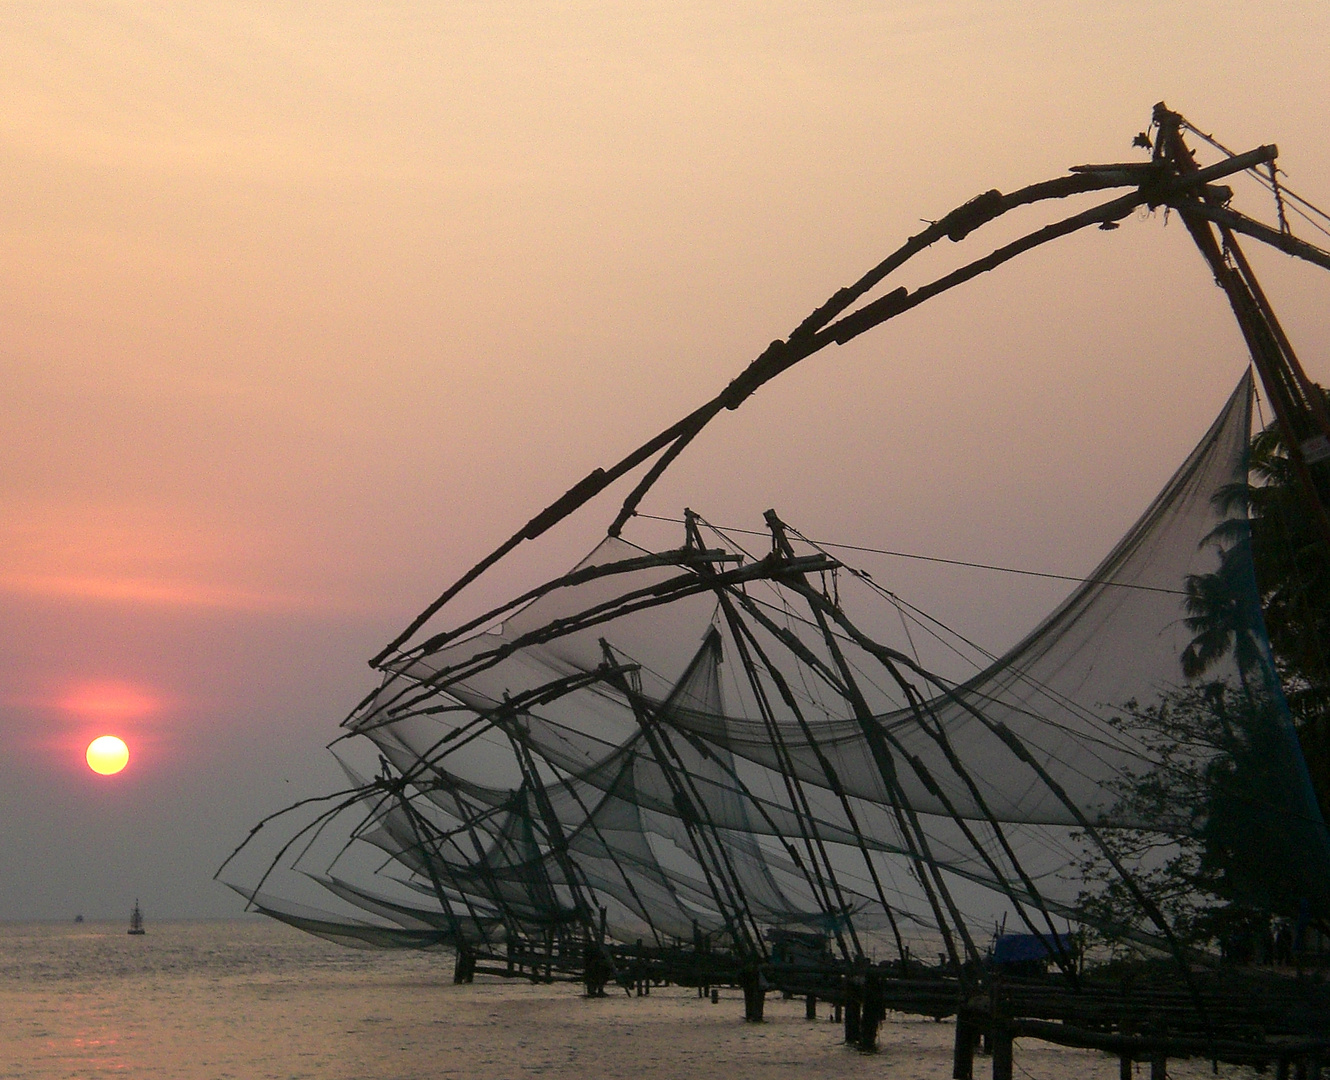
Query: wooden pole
point(754, 995)
point(872, 1013)
point(465, 972)
point(962, 1057)
point(1002, 1049)
point(853, 1004)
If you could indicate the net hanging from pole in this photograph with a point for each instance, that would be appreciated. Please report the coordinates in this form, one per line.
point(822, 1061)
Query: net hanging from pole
point(709, 742)
point(697, 744)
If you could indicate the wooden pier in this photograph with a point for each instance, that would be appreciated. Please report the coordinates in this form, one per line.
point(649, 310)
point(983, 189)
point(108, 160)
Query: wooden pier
point(1249, 1017)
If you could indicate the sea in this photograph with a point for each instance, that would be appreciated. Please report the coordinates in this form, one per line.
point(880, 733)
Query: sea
point(253, 999)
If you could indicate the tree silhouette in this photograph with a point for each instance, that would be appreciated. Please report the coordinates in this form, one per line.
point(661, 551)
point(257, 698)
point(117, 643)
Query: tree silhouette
point(1223, 609)
point(1270, 514)
point(1226, 841)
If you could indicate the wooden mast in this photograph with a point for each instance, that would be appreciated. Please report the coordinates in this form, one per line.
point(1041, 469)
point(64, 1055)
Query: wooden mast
point(1298, 403)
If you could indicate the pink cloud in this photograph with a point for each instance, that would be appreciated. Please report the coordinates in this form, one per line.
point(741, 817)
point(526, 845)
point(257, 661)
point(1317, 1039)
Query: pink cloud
point(155, 592)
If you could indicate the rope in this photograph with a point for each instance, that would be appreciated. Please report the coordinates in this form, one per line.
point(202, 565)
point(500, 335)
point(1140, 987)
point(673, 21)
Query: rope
point(939, 559)
point(1281, 192)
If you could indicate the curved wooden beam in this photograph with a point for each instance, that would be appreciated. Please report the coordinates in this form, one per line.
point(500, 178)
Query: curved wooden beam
point(1154, 183)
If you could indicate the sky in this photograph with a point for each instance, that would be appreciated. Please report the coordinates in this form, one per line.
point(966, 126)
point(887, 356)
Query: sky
point(305, 308)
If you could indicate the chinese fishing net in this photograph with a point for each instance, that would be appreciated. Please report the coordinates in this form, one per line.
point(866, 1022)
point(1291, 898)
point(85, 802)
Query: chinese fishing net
point(706, 744)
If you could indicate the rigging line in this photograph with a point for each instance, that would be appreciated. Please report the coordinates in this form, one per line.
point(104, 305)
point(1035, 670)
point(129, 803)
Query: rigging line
point(891, 599)
point(787, 768)
point(1087, 740)
point(1099, 737)
point(1068, 703)
point(737, 915)
point(923, 618)
point(1284, 197)
point(1270, 184)
point(1288, 196)
point(589, 822)
point(949, 562)
point(814, 699)
point(890, 596)
point(1292, 201)
point(1297, 209)
point(907, 821)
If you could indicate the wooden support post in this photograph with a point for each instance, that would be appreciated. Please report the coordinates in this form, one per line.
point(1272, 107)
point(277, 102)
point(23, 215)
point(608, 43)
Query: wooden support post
point(1281, 1069)
point(1124, 1067)
point(810, 1007)
point(853, 1003)
point(962, 1055)
point(597, 970)
point(836, 1013)
point(755, 996)
point(1300, 1069)
point(715, 996)
point(871, 1013)
point(1002, 1050)
point(464, 971)
point(1159, 1055)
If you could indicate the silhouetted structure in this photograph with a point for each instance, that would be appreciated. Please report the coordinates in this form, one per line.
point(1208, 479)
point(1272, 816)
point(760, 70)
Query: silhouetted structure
point(696, 765)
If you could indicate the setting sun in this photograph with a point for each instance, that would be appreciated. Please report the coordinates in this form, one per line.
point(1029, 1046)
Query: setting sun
point(107, 755)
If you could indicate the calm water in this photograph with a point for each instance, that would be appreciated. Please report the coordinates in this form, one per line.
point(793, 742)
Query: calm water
point(254, 1000)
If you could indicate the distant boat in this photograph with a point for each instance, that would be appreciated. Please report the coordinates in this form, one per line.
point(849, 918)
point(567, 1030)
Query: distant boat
point(136, 920)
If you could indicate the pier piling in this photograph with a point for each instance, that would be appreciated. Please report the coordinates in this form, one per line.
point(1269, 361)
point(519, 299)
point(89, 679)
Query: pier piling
point(962, 1060)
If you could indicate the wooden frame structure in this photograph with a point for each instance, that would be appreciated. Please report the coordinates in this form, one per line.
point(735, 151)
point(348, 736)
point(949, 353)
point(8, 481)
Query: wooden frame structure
point(520, 878)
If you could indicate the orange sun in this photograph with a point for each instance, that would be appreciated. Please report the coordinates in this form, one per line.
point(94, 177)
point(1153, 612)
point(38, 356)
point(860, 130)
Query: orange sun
point(107, 755)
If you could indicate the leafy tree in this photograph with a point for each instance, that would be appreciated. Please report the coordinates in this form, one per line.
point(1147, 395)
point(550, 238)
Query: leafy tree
point(1292, 568)
point(1232, 838)
point(1227, 841)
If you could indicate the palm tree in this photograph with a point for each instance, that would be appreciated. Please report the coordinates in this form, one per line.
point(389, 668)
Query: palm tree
point(1269, 516)
point(1292, 571)
point(1224, 613)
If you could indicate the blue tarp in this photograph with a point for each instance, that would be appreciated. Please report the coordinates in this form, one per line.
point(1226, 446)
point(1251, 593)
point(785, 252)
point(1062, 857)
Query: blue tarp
point(1020, 948)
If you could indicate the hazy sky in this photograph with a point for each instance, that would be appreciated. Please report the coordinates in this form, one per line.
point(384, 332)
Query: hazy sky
point(305, 307)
